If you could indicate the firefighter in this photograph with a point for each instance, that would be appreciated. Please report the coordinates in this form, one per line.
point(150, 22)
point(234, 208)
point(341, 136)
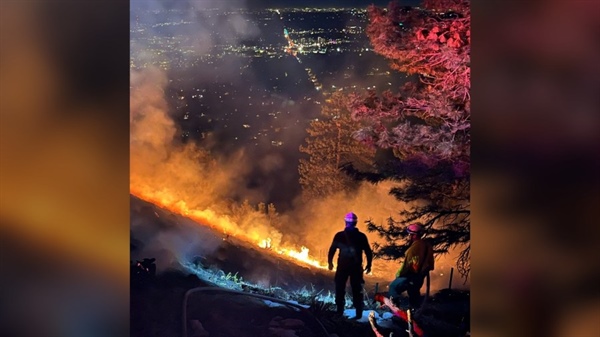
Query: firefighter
point(351, 244)
point(417, 263)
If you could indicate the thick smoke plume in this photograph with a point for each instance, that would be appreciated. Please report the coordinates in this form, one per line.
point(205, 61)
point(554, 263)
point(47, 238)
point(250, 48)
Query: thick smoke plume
point(181, 177)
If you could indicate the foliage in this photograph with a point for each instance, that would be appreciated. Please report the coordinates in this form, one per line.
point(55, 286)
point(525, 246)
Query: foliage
point(329, 145)
point(233, 277)
point(318, 307)
point(307, 296)
point(433, 42)
point(425, 127)
point(246, 214)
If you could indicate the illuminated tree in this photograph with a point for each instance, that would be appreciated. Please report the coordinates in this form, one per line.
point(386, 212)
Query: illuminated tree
point(425, 126)
point(330, 144)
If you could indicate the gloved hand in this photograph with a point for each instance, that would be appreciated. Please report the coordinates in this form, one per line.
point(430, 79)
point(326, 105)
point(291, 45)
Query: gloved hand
point(368, 269)
point(330, 266)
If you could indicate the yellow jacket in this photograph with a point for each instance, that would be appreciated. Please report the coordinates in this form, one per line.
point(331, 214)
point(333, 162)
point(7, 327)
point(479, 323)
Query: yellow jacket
point(418, 259)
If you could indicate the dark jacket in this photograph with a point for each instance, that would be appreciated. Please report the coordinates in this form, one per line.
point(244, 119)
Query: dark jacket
point(351, 243)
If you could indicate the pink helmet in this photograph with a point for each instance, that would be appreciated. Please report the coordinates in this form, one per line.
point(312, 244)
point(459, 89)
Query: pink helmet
point(415, 228)
point(351, 217)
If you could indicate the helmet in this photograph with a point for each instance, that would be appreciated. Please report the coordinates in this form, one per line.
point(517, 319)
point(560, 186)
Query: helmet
point(415, 228)
point(351, 217)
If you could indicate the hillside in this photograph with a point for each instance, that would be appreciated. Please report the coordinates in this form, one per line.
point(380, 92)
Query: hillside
point(189, 255)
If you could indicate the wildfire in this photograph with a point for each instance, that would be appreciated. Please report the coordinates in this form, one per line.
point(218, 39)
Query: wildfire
point(223, 224)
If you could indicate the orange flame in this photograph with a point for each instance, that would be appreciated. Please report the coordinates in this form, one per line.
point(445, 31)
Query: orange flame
point(223, 224)
point(301, 256)
point(265, 243)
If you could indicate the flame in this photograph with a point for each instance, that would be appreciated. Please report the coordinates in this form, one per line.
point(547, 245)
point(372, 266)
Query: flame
point(290, 253)
point(225, 225)
point(208, 217)
point(303, 256)
point(265, 243)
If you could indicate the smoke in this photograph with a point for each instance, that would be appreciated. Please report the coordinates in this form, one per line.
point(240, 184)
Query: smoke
point(315, 223)
point(158, 162)
point(170, 240)
point(164, 170)
point(183, 177)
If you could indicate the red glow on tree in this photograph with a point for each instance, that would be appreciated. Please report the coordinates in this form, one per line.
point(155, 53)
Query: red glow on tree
point(427, 123)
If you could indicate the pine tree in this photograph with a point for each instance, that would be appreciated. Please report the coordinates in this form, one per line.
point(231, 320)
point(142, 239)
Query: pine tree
point(426, 125)
point(331, 145)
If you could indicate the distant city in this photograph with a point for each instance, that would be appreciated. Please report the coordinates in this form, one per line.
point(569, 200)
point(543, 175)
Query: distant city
point(178, 51)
